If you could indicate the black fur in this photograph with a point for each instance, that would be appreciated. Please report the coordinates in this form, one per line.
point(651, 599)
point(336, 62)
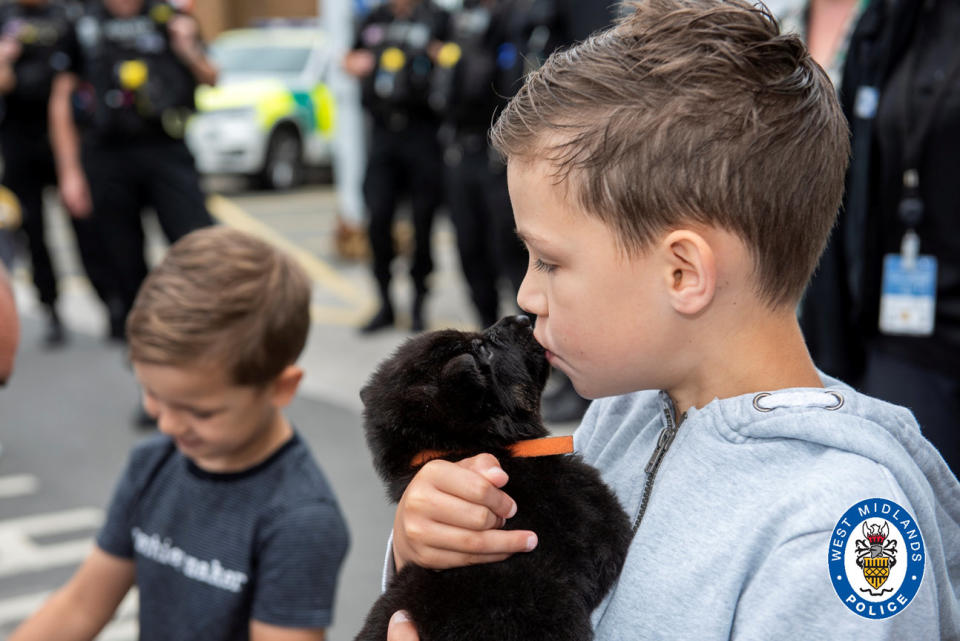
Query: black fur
point(468, 393)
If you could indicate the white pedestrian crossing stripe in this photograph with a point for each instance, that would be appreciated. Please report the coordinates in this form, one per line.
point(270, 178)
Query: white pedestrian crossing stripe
point(19, 552)
point(17, 485)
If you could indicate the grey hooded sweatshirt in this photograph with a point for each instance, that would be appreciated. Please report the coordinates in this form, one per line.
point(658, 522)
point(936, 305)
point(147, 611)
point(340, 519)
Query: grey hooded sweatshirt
point(748, 506)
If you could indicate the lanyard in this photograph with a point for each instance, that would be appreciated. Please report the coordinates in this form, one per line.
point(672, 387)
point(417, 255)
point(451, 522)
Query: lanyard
point(916, 128)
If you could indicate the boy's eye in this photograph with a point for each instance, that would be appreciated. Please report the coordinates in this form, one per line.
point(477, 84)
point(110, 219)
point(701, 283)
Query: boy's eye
point(202, 414)
point(541, 266)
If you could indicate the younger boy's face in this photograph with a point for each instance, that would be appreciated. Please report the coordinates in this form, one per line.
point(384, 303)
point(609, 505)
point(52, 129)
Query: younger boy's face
point(602, 316)
point(219, 426)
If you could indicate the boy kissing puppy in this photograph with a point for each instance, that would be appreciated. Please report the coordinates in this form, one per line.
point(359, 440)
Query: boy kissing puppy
point(675, 180)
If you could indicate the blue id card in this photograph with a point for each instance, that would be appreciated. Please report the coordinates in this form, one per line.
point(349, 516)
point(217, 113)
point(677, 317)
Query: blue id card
point(908, 299)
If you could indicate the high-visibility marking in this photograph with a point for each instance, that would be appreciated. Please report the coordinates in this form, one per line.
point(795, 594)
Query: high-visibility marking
point(321, 272)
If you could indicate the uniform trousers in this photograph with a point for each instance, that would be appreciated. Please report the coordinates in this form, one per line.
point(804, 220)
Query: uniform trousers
point(28, 170)
point(483, 218)
point(126, 178)
point(402, 161)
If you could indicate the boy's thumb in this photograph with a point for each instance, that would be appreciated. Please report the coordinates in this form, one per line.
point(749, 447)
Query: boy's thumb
point(401, 628)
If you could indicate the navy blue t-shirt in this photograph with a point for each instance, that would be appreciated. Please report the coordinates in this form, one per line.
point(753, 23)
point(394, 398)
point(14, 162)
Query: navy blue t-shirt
point(213, 551)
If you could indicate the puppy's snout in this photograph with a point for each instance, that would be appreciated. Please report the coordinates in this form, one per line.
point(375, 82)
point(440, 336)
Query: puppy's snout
point(520, 321)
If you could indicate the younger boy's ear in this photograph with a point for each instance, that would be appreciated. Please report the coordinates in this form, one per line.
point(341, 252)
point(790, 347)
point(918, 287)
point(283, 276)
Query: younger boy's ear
point(690, 271)
point(285, 385)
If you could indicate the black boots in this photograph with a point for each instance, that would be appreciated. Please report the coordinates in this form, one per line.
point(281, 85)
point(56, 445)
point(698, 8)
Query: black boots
point(384, 318)
point(416, 313)
point(381, 320)
point(55, 335)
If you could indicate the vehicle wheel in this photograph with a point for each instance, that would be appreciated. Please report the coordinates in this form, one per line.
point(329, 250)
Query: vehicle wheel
point(283, 168)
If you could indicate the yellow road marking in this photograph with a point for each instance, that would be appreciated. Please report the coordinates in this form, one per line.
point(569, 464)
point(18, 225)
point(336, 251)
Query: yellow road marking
point(361, 305)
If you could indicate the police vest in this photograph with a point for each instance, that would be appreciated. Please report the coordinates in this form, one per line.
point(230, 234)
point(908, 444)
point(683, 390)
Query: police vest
point(400, 81)
point(135, 84)
point(463, 84)
point(39, 31)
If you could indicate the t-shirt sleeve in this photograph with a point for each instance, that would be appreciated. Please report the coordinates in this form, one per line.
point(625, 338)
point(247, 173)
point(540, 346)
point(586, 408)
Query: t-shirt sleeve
point(115, 536)
point(299, 560)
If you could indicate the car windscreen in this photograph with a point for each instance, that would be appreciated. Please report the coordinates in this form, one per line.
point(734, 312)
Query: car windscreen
point(237, 59)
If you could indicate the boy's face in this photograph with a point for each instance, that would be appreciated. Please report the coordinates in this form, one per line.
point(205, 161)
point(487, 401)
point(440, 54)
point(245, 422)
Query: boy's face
point(603, 317)
point(220, 426)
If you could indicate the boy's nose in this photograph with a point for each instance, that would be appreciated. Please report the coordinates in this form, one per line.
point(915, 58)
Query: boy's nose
point(168, 423)
point(529, 299)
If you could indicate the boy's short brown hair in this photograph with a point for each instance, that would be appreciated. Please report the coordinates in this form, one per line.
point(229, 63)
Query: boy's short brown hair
point(226, 298)
point(693, 111)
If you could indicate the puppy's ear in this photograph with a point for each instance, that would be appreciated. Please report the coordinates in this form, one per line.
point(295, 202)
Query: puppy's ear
point(462, 379)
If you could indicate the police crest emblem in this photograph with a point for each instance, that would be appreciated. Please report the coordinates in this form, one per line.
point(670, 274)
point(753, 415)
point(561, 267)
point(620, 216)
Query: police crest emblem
point(876, 576)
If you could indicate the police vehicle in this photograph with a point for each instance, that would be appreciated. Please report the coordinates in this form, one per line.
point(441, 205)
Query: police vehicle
point(271, 113)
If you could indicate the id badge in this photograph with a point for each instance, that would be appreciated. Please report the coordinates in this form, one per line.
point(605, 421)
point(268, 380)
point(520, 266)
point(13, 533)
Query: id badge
point(908, 299)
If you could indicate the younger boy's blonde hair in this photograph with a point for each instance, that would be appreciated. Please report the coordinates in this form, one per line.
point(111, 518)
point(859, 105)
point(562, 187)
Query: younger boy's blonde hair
point(693, 111)
point(225, 298)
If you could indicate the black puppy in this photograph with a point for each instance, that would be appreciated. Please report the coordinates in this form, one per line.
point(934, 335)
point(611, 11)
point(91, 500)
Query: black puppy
point(456, 394)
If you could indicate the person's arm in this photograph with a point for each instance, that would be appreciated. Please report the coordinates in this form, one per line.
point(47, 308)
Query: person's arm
point(9, 53)
point(82, 607)
point(450, 515)
point(265, 632)
point(185, 42)
point(65, 142)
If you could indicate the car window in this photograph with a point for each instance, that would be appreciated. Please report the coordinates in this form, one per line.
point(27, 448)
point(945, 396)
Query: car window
point(260, 59)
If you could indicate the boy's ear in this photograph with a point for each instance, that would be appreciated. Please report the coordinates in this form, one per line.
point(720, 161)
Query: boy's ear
point(285, 385)
point(690, 270)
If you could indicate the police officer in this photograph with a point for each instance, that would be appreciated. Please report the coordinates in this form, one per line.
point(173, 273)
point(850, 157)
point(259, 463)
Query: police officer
point(30, 32)
point(393, 56)
point(468, 89)
point(134, 65)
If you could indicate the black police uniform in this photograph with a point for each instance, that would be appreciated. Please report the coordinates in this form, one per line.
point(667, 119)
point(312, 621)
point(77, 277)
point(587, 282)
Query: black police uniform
point(405, 155)
point(468, 88)
point(133, 99)
point(28, 161)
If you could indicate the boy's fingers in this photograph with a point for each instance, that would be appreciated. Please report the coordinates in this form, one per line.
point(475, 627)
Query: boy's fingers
point(487, 466)
point(451, 510)
point(479, 547)
point(464, 482)
point(401, 628)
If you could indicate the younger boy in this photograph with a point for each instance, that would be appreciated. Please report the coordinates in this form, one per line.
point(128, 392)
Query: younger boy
point(224, 522)
point(675, 180)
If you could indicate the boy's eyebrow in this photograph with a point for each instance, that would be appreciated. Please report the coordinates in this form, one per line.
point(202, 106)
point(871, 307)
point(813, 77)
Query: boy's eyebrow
point(186, 406)
point(526, 239)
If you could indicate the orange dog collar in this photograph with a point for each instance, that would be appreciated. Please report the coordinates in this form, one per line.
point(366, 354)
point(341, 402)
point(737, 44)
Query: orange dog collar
point(547, 446)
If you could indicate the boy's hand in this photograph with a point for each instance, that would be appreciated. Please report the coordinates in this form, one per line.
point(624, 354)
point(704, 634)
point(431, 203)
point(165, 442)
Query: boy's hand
point(450, 515)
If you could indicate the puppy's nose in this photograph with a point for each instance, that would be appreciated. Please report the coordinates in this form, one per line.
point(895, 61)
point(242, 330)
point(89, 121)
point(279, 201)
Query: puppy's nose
point(518, 322)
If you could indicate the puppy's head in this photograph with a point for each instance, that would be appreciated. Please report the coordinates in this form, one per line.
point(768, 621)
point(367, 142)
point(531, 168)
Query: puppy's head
point(453, 391)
